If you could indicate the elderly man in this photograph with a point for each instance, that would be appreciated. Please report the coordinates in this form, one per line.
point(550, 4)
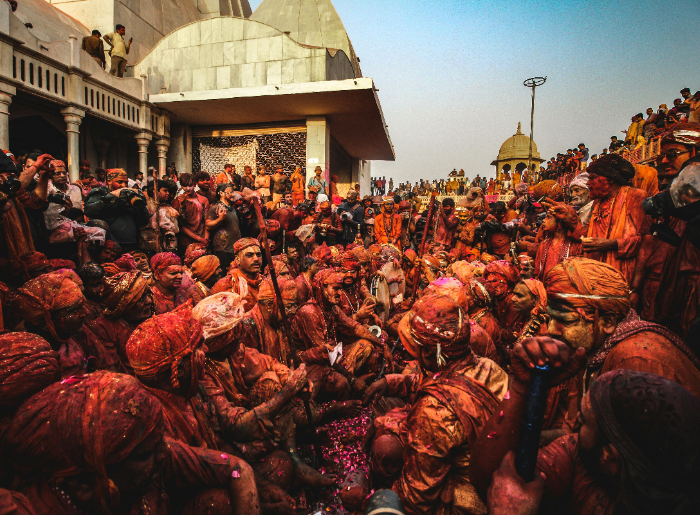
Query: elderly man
point(59, 186)
point(128, 302)
point(167, 276)
point(580, 199)
point(589, 306)
point(319, 331)
point(635, 450)
point(245, 278)
point(122, 208)
point(387, 224)
point(614, 231)
point(431, 442)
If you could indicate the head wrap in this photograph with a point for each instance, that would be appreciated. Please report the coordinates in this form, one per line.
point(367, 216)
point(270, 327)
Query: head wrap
point(38, 298)
point(204, 267)
point(267, 290)
point(481, 296)
point(613, 166)
point(684, 133)
point(549, 189)
point(503, 270)
point(30, 262)
point(463, 271)
point(125, 263)
point(122, 291)
point(288, 288)
point(537, 289)
point(432, 262)
point(58, 264)
point(652, 422)
point(388, 198)
point(162, 342)
point(322, 254)
point(244, 243)
point(27, 365)
point(161, 262)
point(585, 283)
point(279, 265)
point(362, 255)
point(404, 206)
point(323, 278)
point(218, 314)
point(84, 425)
point(115, 173)
point(438, 323)
point(449, 287)
point(349, 261)
point(410, 255)
point(581, 180)
point(111, 244)
point(193, 252)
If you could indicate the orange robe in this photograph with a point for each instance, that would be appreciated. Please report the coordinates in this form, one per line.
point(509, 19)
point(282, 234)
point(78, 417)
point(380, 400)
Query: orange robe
point(646, 178)
point(238, 283)
point(619, 218)
point(387, 229)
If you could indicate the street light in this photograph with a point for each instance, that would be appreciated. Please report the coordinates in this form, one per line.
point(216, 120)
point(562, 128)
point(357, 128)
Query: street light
point(532, 82)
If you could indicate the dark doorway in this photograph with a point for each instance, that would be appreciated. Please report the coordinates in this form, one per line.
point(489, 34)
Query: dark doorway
point(34, 132)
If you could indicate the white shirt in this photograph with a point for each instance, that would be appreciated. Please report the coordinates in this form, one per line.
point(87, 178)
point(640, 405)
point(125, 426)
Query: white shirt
point(52, 214)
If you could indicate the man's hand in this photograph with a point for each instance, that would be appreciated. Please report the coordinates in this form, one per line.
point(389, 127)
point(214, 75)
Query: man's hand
point(598, 244)
point(79, 233)
point(43, 163)
point(532, 352)
point(296, 380)
point(361, 383)
point(221, 213)
point(375, 391)
point(510, 495)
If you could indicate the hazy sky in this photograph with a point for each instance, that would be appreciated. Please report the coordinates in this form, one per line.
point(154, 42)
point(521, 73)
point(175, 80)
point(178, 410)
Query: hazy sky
point(450, 73)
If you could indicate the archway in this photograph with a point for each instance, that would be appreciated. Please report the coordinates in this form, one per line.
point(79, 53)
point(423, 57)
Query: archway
point(520, 167)
point(35, 133)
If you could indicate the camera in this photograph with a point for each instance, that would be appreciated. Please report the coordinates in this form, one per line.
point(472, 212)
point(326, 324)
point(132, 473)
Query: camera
point(57, 198)
point(369, 211)
point(11, 185)
point(346, 216)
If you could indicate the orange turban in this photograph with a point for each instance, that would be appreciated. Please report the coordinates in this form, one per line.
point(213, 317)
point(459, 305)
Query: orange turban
point(537, 289)
point(503, 270)
point(549, 189)
point(204, 267)
point(38, 298)
point(244, 243)
point(163, 341)
point(27, 365)
point(585, 283)
point(122, 292)
point(114, 173)
point(193, 252)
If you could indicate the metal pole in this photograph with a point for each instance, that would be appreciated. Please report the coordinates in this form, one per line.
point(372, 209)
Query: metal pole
point(532, 82)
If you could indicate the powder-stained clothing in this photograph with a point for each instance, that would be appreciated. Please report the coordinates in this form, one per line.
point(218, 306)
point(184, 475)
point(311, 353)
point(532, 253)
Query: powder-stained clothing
point(619, 218)
point(193, 211)
point(257, 333)
point(113, 333)
point(387, 229)
point(237, 282)
point(450, 409)
point(446, 227)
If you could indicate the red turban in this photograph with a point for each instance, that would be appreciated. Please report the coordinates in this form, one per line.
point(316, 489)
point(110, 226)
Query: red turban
point(362, 255)
point(160, 262)
point(349, 261)
point(163, 341)
point(125, 263)
point(410, 254)
point(122, 292)
point(31, 262)
point(27, 365)
point(537, 289)
point(218, 314)
point(437, 323)
point(322, 254)
point(38, 298)
point(585, 283)
point(204, 267)
point(503, 270)
point(193, 252)
point(58, 264)
point(244, 243)
point(85, 424)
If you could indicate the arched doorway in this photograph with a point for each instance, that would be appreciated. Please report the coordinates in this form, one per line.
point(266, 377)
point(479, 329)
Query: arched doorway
point(35, 133)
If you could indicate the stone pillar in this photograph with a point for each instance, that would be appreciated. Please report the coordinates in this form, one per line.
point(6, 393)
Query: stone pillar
point(142, 140)
point(162, 146)
point(318, 147)
point(73, 117)
point(5, 101)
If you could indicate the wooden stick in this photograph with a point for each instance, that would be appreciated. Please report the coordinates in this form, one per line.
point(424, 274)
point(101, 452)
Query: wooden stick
point(157, 213)
point(421, 249)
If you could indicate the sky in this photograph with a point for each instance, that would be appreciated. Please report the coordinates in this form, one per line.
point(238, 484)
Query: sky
point(450, 73)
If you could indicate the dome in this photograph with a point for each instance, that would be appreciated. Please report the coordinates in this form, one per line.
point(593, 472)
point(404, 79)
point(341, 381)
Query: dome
point(517, 147)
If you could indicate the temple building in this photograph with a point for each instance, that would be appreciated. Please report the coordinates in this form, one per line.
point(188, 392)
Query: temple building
point(207, 82)
point(514, 153)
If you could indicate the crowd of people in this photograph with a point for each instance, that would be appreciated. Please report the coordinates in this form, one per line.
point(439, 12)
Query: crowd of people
point(183, 344)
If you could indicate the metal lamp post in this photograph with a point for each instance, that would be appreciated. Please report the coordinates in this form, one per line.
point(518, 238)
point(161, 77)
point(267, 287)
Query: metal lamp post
point(532, 82)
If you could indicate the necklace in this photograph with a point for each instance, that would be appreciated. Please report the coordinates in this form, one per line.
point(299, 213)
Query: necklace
point(352, 306)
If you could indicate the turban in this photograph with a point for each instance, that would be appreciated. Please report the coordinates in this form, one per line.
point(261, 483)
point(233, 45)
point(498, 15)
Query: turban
point(38, 298)
point(438, 323)
point(279, 266)
point(70, 274)
point(653, 424)
point(193, 252)
point(404, 206)
point(33, 261)
point(585, 283)
point(449, 287)
point(388, 198)
point(244, 243)
point(581, 180)
point(122, 292)
point(410, 255)
point(323, 278)
point(537, 289)
point(204, 267)
point(115, 173)
point(481, 296)
point(362, 255)
point(503, 270)
point(432, 262)
point(548, 189)
point(218, 314)
point(85, 424)
point(487, 258)
point(160, 262)
point(322, 253)
point(125, 263)
point(324, 205)
point(683, 133)
point(613, 166)
point(58, 264)
point(27, 365)
point(266, 290)
point(112, 245)
point(163, 341)
point(463, 270)
point(350, 262)
point(288, 288)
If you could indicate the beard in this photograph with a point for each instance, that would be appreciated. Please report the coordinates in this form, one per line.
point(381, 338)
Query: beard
point(579, 201)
